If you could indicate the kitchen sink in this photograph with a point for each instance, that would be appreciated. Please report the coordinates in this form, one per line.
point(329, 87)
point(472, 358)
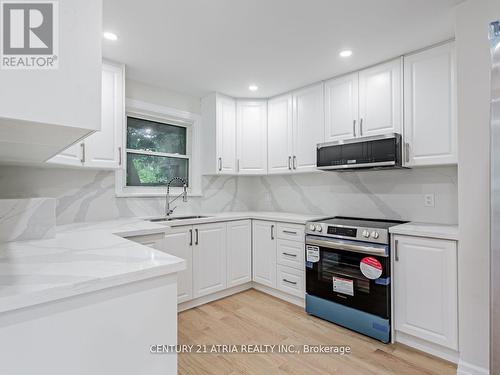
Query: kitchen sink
point(175, 218)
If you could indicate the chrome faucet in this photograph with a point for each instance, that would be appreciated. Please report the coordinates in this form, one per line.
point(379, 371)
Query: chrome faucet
point(168, 210)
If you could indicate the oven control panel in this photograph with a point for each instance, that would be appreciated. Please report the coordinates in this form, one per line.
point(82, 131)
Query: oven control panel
point(354, 233)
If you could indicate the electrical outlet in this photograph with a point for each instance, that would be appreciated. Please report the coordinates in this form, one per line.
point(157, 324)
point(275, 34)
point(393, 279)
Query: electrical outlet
point(429, 200)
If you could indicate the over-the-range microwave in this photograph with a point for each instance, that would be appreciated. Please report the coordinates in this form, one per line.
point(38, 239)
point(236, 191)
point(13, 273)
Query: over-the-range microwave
point(374, 152)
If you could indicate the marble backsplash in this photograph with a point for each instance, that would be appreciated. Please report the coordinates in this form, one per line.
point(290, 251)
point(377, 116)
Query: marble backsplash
point(27, 219)
point(86, 195)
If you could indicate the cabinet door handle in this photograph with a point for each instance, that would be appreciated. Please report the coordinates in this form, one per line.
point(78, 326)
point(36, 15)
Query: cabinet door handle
point(354, 128)
point(119, 156)
point(82, 145)
point(190, 237)
point(361, 127)
point(220, 164)
point(294, 162)
point(272, 232)
point(290, 255)
point(396, 252)
point(196, 236)
point(289, 232)
point(290, 282)
point(407, 152)
point(290, 163)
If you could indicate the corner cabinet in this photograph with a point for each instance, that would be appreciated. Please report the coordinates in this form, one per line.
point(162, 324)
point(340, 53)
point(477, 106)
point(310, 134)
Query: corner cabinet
point(251, 137)
point(296, 126)
point(430, 106)
point(425, 290)
point(102, 149)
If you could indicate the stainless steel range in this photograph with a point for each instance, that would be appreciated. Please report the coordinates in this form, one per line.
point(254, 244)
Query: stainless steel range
point(348, 273)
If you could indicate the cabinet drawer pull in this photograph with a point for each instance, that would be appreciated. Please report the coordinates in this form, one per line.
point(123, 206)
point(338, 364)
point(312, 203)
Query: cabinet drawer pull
point(290, 255)
point(272, 232)
point(220, 164)
point(396, 252)
point(361, 127)
point(289, 232)
point(294, 162)
point(290, 163)
point(354, 128)
point(196, 236)
point(290, 282)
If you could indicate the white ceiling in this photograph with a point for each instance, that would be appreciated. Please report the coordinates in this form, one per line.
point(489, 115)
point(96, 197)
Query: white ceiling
point(199, 46)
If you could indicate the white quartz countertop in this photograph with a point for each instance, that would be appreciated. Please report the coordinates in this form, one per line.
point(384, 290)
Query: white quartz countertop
point(81, 258)
point(441, 231)
point(255, 215)
point(86, 257)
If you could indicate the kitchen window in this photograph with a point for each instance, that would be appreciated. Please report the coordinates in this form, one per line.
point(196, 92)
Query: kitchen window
point(159, 143)
point(156, 152)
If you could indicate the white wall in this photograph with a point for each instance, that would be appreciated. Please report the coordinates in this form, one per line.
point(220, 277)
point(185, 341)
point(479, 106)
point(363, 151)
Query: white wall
point(472, 20)
point(160, 96)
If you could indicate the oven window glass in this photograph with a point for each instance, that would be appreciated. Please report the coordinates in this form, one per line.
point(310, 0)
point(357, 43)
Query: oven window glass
point(346, 266)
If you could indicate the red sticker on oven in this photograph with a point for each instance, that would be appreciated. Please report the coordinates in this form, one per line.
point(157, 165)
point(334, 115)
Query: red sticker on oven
point(371, 268)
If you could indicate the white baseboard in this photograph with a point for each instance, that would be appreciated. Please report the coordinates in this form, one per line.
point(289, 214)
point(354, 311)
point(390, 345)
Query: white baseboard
point(427, 347)
point(281, 295)
point(465, 368)
point(213, 297)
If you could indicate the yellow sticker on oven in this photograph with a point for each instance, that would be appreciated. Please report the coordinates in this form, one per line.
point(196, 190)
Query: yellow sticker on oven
point(344, 286)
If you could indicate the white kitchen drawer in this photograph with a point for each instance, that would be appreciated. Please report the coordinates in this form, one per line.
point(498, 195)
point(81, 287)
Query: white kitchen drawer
point(290, 253)
point(291, 232)
point(290, 280)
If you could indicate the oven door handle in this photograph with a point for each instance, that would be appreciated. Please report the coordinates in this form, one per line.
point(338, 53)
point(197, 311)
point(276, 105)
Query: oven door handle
point(371, 250)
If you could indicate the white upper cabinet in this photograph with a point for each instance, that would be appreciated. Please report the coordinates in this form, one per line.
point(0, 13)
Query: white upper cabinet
point(308, 127)
point(430, 106)
point(279, 134)
point(425, 289)
point(219, 134)
point(103, 148)
point(44, 111)
point(226, 135)
point(381, 99)
point(251, 137)
point(341, 108)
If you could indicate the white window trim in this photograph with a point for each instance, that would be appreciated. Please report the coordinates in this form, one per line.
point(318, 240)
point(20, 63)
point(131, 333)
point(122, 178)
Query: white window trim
point(147, 111)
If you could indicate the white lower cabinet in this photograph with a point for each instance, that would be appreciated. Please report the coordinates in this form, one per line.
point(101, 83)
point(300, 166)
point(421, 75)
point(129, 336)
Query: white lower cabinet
point(264, 252)
point(209, 259)
point(290, 280)
point(425, 289)
point(239, 252)
point(178, 241)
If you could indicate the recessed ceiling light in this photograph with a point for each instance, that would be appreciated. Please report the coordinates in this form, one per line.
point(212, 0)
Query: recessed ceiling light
point(345, 53)
point(253, 87)
point(110, 36)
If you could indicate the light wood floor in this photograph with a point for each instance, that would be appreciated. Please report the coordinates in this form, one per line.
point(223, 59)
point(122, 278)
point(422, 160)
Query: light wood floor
point(252, 317)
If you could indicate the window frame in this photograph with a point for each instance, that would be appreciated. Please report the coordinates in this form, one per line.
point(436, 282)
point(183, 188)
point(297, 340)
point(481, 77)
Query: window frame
point(169, 116)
